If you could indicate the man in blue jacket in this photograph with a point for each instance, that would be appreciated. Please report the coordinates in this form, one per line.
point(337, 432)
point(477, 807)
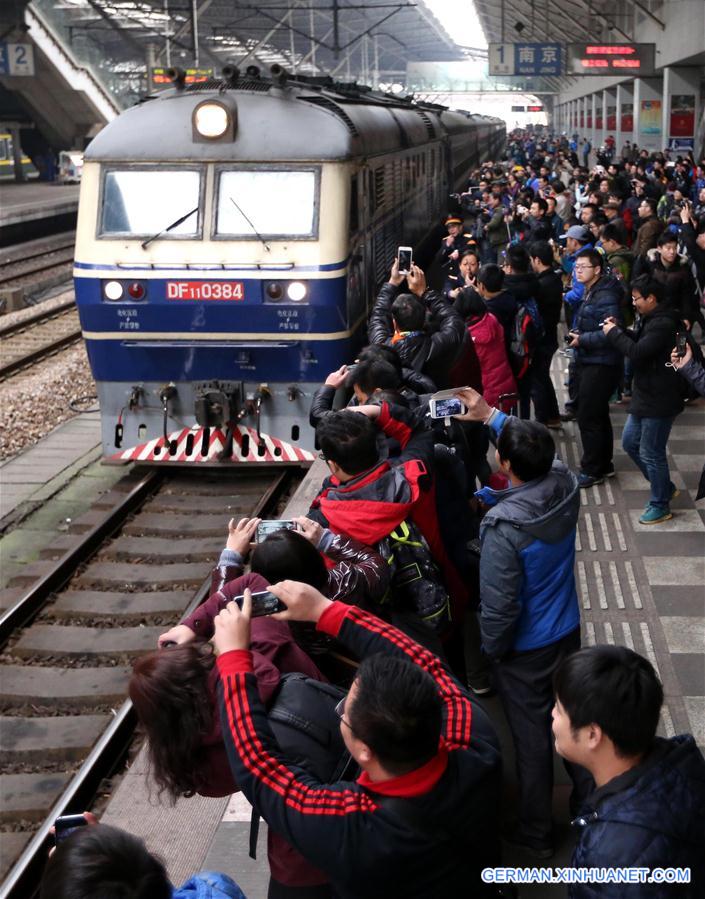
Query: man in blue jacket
point(599, 364)
point(529, 614)
point(648, 806)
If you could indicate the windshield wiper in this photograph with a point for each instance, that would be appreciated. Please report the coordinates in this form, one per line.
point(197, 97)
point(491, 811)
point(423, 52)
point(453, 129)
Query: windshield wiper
point(256, 232)
point(170, 227)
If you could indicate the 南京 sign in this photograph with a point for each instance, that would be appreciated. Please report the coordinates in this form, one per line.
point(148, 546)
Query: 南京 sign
point(524, 59)
point(16, 59)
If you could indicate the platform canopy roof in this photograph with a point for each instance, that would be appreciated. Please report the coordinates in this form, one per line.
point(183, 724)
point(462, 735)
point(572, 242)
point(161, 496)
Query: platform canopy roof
point(564, 22)
point(364, 40)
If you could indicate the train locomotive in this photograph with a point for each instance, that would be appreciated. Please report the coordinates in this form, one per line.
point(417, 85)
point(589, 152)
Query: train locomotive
point(231, 238)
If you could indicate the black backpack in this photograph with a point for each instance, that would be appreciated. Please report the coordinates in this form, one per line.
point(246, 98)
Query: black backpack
point(416, 582)
point(527, 330)
point(303, 719)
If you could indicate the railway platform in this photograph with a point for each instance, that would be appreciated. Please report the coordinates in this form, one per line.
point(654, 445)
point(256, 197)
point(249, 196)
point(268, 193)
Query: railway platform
point(638, 586)
point(36, 208)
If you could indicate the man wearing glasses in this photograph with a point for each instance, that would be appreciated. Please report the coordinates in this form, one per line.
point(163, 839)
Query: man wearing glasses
point(598, 365)
point(421, 819)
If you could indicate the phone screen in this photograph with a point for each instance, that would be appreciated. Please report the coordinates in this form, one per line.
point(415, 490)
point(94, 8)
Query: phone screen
point(404, 259)
point(265, 528)
point(681, 344)
point(447, 407)
point(263, 603)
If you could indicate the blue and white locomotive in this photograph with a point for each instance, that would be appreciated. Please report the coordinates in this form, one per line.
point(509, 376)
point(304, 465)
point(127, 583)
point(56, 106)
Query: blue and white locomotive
point(231, 239)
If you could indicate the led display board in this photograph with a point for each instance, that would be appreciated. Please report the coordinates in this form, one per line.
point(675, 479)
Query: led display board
point(605, 59)
point(159, 78)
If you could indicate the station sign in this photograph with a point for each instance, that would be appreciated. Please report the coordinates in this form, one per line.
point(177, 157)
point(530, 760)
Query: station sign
point(524, 59)
point(16, 59)
point(605, 59)
point(158, 77)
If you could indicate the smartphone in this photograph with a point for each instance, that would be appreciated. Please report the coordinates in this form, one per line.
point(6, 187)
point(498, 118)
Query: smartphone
point(263, 603)
point(65, 825)
point(265, 528)
point(444, 404)
point(681, 344)
point(404, 255)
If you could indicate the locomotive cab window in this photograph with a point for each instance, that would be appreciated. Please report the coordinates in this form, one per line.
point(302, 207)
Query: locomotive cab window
point(254, 203)
point(143, 202)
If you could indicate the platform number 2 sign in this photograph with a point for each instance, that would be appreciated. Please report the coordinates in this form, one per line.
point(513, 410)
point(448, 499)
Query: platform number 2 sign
point(16, 59)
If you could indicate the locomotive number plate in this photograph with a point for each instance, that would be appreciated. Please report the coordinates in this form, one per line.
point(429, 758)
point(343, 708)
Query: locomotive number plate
point(205, 290)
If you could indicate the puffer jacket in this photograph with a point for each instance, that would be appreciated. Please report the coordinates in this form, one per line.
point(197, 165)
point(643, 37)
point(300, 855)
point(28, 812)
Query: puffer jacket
point(652, 816)
point(432, 353)
point(528, 597)
point(656, 391)
point(359, 575)
point(208, 885)
point(497, 377)
point(602, 300)
point(695, 374)
point(574, 295)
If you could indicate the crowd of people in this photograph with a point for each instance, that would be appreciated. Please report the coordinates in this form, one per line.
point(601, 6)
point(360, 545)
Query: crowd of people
point(423, 578)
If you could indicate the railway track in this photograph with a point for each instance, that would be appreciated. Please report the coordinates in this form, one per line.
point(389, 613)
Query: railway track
point(26, 342)
point(22, 262)
point(71, 626)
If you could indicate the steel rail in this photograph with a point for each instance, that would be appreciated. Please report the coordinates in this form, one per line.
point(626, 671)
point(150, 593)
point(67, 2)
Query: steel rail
point(38, 319)
point(30, 603)
point(110, 750)
point(36, 355)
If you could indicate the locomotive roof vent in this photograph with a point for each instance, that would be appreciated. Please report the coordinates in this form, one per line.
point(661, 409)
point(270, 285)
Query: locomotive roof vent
point(328, 104)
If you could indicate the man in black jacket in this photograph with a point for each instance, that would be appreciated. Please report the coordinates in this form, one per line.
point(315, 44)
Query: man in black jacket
point(599, 365)
point(673, 272)
point(647, 810)
point(656, 394)
point(523, 285)
point(421, 819)
point(549, 298)
point(399, 320)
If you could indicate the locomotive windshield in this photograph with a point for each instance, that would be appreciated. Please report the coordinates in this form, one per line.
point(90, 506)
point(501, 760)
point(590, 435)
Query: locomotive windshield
point(268, 203)
point(142, 202)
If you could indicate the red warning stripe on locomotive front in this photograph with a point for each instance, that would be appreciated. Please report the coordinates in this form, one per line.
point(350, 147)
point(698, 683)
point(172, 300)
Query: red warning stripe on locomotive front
point(205, 290)
point(187, 445)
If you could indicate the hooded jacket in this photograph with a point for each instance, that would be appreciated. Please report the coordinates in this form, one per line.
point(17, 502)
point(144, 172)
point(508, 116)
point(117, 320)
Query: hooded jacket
point(656, 390)
point(372, 504)
point(574, 296)
point(528, 597)
point(432, 353)
point(208, 885)
point(488, 340)
point(602, 300)
point(652, 816)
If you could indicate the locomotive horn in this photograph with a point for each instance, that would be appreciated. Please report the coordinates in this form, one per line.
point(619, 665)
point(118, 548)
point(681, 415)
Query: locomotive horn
point(279, 74)
point(230, 74)
point(177, 77)
point(252, 71)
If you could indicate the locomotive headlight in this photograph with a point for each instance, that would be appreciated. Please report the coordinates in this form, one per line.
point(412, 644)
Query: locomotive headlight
point(113, 290)
point(211, 120)
point(296, 291)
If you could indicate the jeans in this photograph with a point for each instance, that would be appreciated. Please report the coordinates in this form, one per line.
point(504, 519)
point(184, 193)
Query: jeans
point(595, 385)
point(644, 440)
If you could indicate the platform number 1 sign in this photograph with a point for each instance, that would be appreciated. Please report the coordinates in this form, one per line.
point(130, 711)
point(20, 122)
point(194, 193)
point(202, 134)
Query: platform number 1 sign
point(16, 59)
point(501, 59)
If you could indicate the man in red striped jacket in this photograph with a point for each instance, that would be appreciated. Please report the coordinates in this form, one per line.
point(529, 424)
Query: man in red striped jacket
point(420, 821)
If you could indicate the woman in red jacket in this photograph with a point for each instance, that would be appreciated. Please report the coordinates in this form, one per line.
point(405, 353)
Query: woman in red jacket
point(488, 338)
